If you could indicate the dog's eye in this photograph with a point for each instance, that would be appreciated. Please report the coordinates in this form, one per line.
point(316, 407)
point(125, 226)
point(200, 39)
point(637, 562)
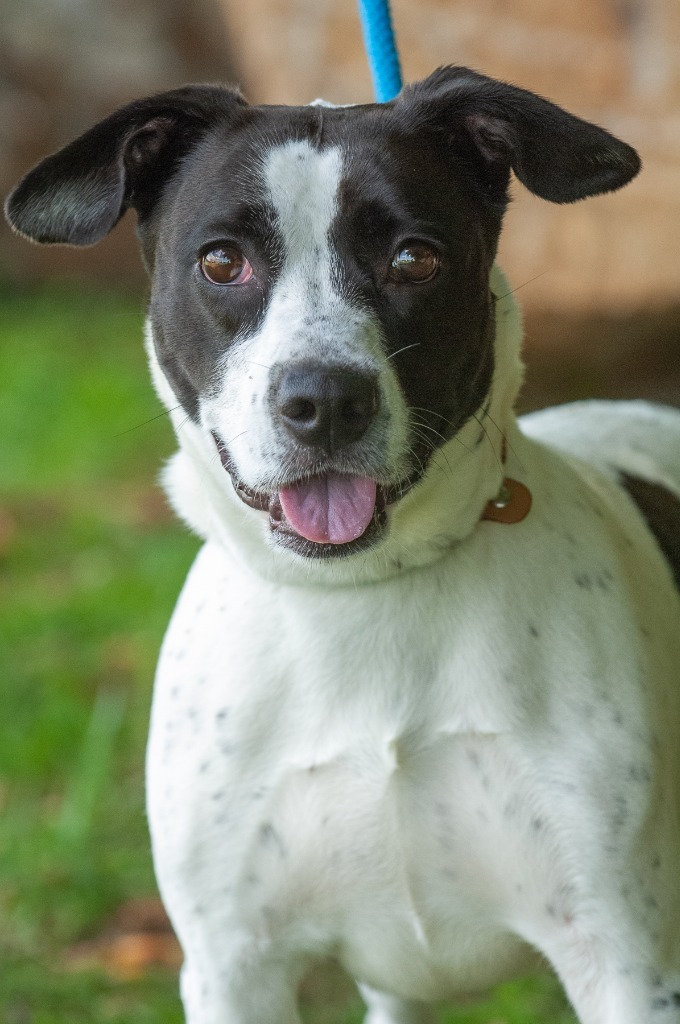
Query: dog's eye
point(226, 265)
point(414, 264)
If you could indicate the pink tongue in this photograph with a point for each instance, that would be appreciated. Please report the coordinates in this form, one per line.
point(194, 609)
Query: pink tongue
point(331, 509)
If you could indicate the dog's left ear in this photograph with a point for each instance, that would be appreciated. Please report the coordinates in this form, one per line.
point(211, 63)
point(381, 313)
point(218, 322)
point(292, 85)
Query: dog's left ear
point(555, 155)
point(79, 193)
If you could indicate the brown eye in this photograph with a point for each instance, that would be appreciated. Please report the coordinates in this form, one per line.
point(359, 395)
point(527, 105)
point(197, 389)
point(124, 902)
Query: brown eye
point(226, 265)
point(414, 264)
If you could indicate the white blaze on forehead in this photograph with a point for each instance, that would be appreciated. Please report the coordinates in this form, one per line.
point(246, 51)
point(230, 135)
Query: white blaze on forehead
point(307, 318)
point(303, 185)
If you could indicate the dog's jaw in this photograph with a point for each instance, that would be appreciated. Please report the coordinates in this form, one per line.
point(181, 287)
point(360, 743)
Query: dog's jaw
point(443, 507)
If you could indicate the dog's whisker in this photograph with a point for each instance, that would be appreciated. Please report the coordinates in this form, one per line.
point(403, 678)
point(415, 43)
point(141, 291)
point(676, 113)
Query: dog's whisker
point(427, 441)
point(393, 355)
point(183, 423)
point(499, 298)
point(421, 467)
point(235, 438)
point(444, 439)
point(355, 584)
point(440, 453)
point(152, 419)
point(418, 430)
point(435, 457)
point(426, 426)
point(486, 433)
point(486, 414)
point(430, 412)
point(509, 444)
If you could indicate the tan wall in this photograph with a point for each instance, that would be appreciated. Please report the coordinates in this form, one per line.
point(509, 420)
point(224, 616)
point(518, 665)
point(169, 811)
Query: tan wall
point(616, 62)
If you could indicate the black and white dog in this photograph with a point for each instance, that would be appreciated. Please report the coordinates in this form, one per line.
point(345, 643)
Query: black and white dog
point(418, 706)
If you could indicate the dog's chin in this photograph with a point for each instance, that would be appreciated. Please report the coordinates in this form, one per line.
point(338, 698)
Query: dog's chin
point(283, 532)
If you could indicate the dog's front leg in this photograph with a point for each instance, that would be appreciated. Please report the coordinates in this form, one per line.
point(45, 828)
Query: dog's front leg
point(238, 967)
point(386, 1009)
point(235, 970)
point(238, 984)
point(609, 985)
point(218, 859)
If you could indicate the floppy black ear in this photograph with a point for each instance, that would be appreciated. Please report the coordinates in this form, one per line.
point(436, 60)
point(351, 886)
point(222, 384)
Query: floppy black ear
point(78, 194)
point(556, 155)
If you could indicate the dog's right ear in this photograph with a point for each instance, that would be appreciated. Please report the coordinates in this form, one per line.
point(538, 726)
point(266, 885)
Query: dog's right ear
point(79, 193)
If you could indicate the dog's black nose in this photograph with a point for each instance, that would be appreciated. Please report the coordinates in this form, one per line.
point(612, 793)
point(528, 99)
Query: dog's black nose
point(325, 407)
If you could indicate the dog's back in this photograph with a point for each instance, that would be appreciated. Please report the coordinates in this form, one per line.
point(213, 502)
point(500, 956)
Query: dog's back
point(636, 443)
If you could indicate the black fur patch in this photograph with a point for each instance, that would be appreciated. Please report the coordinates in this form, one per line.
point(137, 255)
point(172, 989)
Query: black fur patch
point(661, 509)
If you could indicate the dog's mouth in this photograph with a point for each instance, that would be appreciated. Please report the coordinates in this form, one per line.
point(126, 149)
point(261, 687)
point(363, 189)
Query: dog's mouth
point(324, 515)
point(334, 508)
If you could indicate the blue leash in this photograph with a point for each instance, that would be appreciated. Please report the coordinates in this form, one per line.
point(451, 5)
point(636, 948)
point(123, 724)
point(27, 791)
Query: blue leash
point(383, 58)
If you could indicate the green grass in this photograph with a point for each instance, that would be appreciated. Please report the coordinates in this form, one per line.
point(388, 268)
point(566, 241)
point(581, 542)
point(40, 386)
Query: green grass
point(90, 566)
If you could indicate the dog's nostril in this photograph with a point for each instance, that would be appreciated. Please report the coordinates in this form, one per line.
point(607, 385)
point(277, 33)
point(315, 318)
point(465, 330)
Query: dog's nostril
point(300, 409)
point(358, 409)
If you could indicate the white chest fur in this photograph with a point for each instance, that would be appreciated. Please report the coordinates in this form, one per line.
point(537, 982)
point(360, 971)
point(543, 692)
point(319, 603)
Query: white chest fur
point(401, 773)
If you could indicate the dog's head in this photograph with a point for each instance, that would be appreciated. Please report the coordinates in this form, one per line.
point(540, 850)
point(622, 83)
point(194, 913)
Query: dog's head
point(325, 323)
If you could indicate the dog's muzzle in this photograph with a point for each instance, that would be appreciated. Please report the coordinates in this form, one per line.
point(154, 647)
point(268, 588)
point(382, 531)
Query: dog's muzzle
point(326, 507)
point(327, 410)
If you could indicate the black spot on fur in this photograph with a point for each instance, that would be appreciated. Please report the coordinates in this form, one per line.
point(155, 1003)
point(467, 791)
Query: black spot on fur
point(584, 581)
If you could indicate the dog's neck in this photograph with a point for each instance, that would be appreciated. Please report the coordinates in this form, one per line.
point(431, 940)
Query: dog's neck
point(444, 508)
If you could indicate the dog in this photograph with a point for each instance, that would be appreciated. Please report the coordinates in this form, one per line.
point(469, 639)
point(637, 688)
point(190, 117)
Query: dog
point(417, 706)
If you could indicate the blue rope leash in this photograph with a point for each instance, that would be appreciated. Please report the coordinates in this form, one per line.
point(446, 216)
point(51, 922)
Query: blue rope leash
point(383, 58)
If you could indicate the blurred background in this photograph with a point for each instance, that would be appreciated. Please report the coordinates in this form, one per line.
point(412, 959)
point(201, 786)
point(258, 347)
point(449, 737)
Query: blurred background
point(90, 558)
